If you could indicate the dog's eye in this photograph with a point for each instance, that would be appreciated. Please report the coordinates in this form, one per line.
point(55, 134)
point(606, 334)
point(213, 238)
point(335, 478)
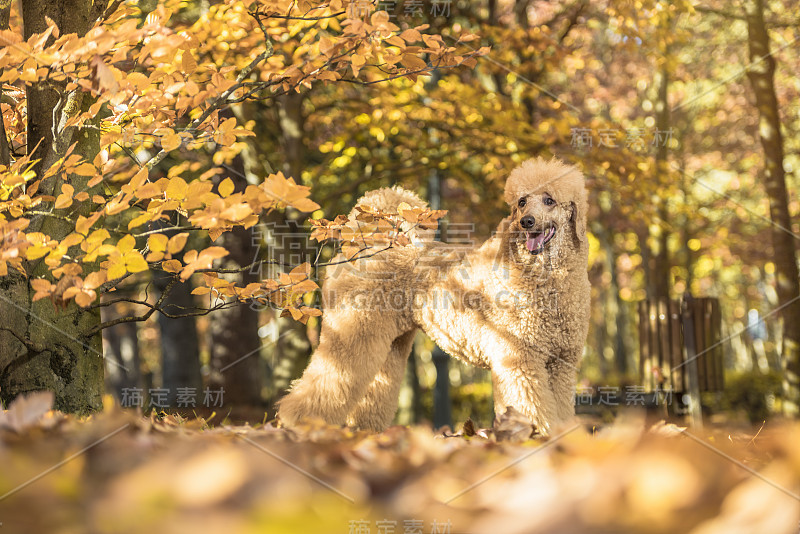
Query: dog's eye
point(548, 201)
point(522, 202)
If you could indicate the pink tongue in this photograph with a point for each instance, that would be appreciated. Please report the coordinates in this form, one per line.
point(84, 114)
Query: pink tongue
point(533, 243)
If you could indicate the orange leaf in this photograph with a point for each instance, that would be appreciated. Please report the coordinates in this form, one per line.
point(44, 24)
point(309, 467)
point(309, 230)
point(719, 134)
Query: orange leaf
point(171, 266)
point(85, 169)
point(177, 242)
point(170, 142)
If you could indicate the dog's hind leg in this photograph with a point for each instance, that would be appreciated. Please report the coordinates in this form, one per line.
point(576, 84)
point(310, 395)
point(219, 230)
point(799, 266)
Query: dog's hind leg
point(351, 351)
point(376, 410)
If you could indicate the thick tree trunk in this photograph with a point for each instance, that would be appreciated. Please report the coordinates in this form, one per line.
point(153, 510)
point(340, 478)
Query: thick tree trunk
point(43, 347)
point(761, 74)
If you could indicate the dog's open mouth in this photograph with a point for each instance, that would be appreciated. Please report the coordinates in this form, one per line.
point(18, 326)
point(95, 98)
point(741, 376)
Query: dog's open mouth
point(535, 240)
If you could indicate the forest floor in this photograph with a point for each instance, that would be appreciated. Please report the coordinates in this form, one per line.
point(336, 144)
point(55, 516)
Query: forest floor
point(121, 472)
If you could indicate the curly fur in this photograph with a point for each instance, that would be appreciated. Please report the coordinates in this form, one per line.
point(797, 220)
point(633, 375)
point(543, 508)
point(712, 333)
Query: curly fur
point(522, 315)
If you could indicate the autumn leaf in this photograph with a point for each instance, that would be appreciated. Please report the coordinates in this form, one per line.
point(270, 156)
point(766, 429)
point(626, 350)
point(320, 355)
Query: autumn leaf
point(104, 79)
point(26, 410)
point(226, 187)
point(64, 200)
point(124, 259)
point(170, 142)
point(202, 260)
point(177, 242)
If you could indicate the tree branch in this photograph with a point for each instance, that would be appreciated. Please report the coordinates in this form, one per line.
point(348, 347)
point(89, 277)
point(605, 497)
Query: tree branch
point(220, 100)
point(773, 23)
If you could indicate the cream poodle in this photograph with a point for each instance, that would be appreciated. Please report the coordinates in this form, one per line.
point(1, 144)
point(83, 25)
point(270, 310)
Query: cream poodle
point(518, 305)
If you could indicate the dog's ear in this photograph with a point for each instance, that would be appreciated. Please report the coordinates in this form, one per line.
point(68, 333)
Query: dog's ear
point(578, 221)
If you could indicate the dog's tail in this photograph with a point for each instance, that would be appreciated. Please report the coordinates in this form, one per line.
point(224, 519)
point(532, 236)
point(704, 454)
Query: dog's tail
point(387, 199)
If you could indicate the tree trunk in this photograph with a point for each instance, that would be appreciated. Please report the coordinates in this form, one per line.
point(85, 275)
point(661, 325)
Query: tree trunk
point(180, 353)
point(236, 363)
point(761, 74)
point(43, 347)
point(293, 349)
point(618, 305)
point(659, 268)
point(288, 244)
point(121, 352)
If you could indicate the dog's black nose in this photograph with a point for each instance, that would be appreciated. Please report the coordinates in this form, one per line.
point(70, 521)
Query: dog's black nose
point(527, 222)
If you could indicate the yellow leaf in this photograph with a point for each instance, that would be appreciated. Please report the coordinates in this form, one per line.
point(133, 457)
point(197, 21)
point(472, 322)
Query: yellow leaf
point(141, 219)
point(39, 296)
point(226, 187)
point(157, 242)
point(379, 16)
point(126, 244)
point(83, 224)
point(302, 271)
point(305, 205)
point(327, 75)
point(135, 262)
point(116, 205)
point(177, 188)
point(36, 251)
point(116, 271)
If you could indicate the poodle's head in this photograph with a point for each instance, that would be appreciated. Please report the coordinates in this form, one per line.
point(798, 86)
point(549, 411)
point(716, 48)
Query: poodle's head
point(548, 212)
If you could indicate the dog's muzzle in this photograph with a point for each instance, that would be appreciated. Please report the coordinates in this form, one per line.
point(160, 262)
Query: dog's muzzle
point(536, 240)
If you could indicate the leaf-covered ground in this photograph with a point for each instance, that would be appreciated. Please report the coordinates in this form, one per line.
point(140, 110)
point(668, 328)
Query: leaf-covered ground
point(119, 472)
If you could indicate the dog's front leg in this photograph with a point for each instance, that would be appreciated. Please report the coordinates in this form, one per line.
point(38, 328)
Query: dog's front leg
point(562, 371)
point(520, 380)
